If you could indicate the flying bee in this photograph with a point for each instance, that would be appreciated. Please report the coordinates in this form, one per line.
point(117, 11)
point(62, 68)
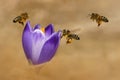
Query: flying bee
point(21, 19)
point(99, 19)
point(69, 36)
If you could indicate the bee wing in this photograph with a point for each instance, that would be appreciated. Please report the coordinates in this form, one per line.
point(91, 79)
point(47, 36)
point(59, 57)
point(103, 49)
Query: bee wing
point(76, 30)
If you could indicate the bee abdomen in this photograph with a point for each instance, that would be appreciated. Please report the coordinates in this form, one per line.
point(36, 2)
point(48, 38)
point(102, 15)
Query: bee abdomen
point(74, 36)
point(17, 19)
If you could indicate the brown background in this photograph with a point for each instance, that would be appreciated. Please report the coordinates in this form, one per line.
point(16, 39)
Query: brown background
point(95, 57)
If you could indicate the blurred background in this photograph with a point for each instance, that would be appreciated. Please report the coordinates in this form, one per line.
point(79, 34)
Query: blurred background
point(95, 57)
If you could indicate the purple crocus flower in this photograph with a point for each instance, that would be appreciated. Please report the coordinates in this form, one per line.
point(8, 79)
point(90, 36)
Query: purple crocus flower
point(40, 46)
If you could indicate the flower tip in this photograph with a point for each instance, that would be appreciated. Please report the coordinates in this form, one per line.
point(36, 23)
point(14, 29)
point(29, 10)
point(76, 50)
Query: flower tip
point(49, 30)
point(37, 26)
point(28, 26)
point(28, 22)
point(50, 27)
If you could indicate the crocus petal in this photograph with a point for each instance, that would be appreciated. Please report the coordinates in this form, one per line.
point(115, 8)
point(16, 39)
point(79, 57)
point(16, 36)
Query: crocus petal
point(49, 48)
point(38, 35)
point(38, 41)
point(40, 46)
point(27, 40)
point(37, 27)
point(49, 30)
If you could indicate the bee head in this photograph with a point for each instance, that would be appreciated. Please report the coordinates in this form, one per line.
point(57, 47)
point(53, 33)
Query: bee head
point(78, 38)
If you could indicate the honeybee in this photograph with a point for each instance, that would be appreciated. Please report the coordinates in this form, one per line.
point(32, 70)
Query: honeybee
point(69, 36)
point(99, 19)
point(21, 19)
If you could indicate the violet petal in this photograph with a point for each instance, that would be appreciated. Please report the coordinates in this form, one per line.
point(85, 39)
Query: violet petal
point(27, 40)
point(37, 27)
point(38, 41)
point(49, 48)
point(38, 35)
point(49, 30)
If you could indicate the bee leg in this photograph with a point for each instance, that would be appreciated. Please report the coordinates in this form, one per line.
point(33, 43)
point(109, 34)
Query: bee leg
point(21, 23)
point(99, 23)
point(69, 41)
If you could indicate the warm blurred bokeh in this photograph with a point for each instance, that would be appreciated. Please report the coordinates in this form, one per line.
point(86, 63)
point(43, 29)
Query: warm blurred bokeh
point(95, 57)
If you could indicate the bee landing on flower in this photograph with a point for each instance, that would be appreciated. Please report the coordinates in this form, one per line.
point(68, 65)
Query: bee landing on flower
point(40, 45)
